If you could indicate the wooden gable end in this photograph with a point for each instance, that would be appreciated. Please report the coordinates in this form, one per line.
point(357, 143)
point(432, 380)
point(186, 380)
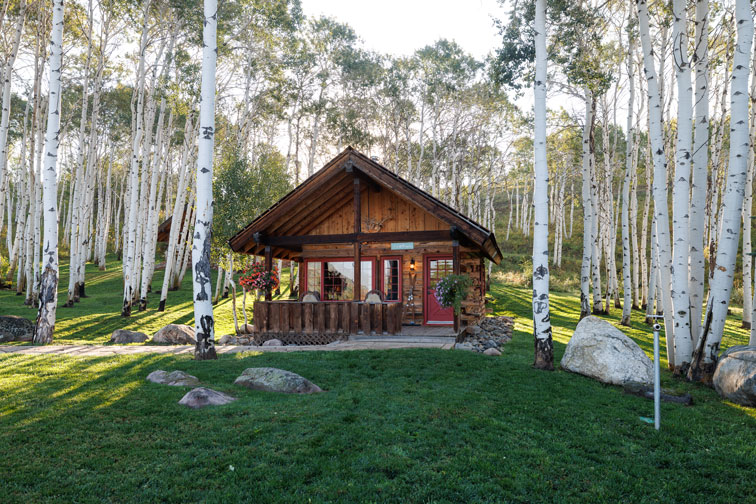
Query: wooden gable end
point(382, 211)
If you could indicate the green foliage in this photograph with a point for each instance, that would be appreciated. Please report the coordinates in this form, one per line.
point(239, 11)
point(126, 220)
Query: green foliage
point(578, 47)
point(244, 189)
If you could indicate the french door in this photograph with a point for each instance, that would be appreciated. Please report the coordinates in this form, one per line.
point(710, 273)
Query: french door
point(436, 268)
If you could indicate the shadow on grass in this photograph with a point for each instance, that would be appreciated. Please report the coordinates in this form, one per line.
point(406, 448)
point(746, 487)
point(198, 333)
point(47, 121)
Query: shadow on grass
point(400, 425)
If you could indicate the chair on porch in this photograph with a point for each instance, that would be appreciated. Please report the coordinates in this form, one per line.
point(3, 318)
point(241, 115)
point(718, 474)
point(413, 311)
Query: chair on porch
point(374, 297)
point(311, 297)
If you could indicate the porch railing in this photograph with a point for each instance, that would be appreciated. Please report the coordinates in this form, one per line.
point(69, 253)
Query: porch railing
point(330, 318)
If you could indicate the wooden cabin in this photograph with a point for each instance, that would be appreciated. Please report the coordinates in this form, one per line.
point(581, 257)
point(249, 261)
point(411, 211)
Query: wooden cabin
point(355, 211)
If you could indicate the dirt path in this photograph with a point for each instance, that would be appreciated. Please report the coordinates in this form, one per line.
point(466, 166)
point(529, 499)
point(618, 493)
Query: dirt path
point(104, 350)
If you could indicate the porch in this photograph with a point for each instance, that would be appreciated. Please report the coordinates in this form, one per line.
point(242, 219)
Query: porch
point(321, 323)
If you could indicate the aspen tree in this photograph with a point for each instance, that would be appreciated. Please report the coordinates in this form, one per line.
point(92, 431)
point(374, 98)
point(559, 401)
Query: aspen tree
point(544, 347)
point(203, 307)
point(656, 137)
point(699, 190)
point(585, 268)
point(43, 333)
point(626, 281)
point(681, 191)
point(706, 353)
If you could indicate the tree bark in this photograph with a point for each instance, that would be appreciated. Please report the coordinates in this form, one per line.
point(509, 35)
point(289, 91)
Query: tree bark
point(706, 354)
point(203, 308)
point(544, 347)
point(45, 328)
point(681, 192)
point(656, 136)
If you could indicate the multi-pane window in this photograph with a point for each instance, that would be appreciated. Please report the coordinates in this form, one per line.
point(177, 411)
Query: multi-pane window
point(313, 276)
point(391, 269)
point(335, 279)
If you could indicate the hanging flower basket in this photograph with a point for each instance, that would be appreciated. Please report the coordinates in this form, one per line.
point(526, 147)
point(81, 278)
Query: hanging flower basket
point(452, 290)
point(256, 277)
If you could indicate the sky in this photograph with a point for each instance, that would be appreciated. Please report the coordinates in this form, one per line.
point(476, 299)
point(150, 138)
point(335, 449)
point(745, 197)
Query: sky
point(399, 27)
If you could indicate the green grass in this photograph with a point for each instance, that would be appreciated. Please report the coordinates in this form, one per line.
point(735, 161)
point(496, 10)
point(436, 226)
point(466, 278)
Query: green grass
point(392, 426)
point(94, 318)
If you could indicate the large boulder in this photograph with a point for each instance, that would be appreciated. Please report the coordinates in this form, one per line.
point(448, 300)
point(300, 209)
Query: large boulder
point(14, 328)
point(123, 336)
point(735, 376)
point(599, 350)
point(201, 397)
point(175, 334)
point(273, 342)
point(174, 378)
point(276, 380)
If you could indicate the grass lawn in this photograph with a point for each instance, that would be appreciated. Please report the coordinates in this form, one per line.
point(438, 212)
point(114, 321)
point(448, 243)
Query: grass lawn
point(392, 426)
point(94, 318)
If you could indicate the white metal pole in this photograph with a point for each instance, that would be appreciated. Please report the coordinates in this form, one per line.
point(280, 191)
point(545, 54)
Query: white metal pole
point(657, 406)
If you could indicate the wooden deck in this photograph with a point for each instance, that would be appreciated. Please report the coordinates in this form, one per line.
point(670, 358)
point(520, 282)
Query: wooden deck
point(323, 322)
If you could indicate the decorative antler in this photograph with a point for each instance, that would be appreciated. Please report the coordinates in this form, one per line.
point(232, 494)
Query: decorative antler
point(374, 225)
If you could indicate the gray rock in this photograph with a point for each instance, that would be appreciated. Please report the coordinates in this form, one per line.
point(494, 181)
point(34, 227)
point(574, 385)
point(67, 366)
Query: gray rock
point(464, 346)
point(735, 376)
point(201, 397)
point(490, 344)
point(123, 336)
point(14, 328)
point(273, 342)
point(492, 352)
point(227, 339)
point(242, 341)
point(599, 350)
point(276, 380)
point(174, 378)
point(175, 334)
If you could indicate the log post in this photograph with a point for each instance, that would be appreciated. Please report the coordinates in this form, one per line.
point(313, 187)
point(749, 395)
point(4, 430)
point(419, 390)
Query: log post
point(268, 267)
point(455, 265)
point(357, 246)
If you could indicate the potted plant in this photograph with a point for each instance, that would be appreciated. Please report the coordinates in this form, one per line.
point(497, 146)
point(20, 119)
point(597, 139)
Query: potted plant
point(451, 290)
point(256, 277)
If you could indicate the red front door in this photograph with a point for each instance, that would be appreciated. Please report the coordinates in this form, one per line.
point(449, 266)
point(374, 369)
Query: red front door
point(436, 268)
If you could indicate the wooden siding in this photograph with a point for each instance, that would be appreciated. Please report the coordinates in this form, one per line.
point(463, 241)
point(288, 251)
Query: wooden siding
point(382, 211)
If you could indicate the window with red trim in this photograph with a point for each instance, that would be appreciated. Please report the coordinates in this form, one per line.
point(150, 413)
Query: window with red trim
point(334, 278)
point(391, 278)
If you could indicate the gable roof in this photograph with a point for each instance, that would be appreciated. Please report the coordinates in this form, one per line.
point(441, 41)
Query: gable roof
point(300, 206)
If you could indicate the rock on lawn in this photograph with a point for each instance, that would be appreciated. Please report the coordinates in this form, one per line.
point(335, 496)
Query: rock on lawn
point(599, 350)
point(276, 380)
point(201, 397)
point(174, 378)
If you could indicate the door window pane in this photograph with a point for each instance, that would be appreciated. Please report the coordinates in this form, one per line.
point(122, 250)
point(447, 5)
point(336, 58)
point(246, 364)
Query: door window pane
point(313, 276)
point(391, 279)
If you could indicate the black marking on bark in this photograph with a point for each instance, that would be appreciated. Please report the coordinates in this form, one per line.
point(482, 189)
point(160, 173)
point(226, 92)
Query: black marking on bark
point(202, 270)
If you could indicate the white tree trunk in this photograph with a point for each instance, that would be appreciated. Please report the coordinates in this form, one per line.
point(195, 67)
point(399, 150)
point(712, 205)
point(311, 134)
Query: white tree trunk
point(681, 191)
point(129, 259)
point(5, 118)
point(177, 217)
point(706, 354)
point(544, 348)
point(626, 277)
point(697, 266)
point(656, 136)
point(203, 307)
point(49, 284)
point(585, 268)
